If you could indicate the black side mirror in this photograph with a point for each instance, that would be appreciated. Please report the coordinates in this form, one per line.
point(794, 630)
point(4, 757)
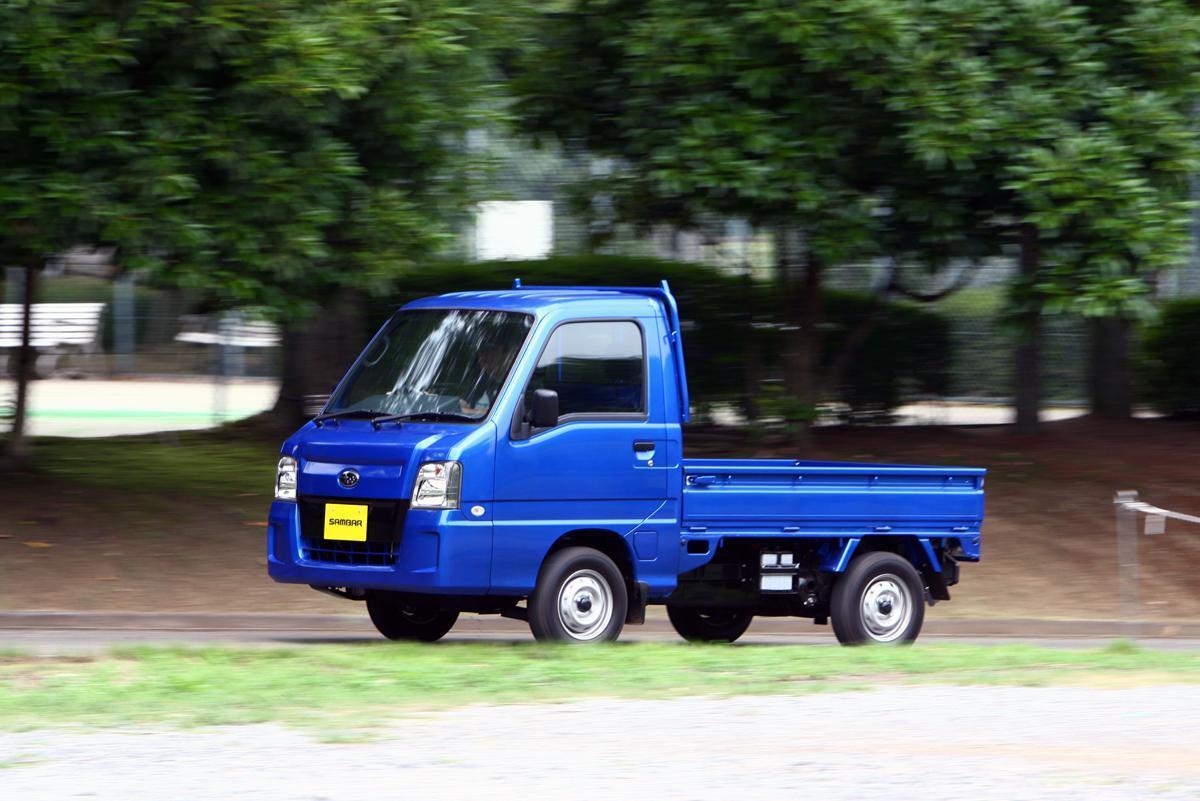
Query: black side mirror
point(544, 413)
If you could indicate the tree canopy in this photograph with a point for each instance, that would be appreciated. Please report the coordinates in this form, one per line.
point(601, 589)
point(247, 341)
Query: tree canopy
point(885, 126)
point(261, 151)
point(925, 131)
point(255, 152)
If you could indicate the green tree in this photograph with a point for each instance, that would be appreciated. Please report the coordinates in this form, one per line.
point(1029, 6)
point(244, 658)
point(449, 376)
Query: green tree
point(770, 112)
point(1070, 124)
point(257, 153)
point(924, 131)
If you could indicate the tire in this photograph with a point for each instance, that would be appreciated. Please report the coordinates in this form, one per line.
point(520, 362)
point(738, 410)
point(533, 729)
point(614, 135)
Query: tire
point(400, 617)
point(580, 597)
point(709, 625)
point(880, 600)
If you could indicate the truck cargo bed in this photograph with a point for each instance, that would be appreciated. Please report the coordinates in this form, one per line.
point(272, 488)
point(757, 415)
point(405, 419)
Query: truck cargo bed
point(781, 497)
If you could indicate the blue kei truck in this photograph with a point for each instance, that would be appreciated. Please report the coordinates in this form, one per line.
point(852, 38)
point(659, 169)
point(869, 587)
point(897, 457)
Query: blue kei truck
point(520, 453)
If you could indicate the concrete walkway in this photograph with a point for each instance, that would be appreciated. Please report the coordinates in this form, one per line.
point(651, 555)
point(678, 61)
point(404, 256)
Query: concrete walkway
point(101, 408)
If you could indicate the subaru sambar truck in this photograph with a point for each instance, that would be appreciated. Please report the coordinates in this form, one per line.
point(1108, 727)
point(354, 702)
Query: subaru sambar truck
point(520, 453)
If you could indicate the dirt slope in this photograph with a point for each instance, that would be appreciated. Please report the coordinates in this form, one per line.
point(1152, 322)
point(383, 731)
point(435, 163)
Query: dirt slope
point(1049, 540)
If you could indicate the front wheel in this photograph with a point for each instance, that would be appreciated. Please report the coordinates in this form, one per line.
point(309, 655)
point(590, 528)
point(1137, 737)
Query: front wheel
point(709, 625)
point(580, 597)
point(403, 618)
point(880, 599)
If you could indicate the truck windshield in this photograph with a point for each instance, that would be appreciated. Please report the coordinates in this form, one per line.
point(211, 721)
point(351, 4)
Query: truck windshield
point(435, 362)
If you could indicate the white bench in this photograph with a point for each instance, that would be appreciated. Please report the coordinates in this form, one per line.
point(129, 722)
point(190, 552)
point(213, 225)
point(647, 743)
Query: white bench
point(235, 334)
point(56, 329)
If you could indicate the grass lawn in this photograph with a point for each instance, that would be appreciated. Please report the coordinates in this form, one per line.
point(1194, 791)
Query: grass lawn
point(357, 686)
point(189, 463)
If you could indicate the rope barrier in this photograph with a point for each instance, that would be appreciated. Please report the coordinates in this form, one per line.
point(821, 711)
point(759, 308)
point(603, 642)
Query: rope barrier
point(1128, 507)
point(1156, 516)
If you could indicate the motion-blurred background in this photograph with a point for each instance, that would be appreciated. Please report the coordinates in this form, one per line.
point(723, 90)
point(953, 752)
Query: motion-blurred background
point(923, 231)
point(955, 231)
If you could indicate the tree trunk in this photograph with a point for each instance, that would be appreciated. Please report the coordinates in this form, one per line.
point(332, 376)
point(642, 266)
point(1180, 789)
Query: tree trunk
point(288, 411)
point(18, 444)
point(800, 275)
point(315, 355)
point(1108, 376)
point(751, 354)
point(1027, 372)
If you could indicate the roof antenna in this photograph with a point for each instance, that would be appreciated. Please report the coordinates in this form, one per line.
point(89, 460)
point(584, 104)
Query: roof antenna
point(516, 283)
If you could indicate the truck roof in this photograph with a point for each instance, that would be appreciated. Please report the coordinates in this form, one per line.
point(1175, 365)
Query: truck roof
point(534, 299)
point(611, 300)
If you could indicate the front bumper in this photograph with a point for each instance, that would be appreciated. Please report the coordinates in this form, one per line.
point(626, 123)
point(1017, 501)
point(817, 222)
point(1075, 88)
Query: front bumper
point(438, 552)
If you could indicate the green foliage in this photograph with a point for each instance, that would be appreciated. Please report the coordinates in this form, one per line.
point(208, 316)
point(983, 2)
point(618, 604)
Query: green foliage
point(919, 129)
point(1169, 347)
point(253, 152)
point(729, 320)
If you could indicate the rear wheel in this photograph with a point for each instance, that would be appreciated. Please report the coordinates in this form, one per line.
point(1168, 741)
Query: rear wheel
point(879, 600)
point(580, 597)
point(709, 625)
point(400, 617)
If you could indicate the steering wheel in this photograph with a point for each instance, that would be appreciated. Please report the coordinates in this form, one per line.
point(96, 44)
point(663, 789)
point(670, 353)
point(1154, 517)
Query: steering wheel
point(441, 388)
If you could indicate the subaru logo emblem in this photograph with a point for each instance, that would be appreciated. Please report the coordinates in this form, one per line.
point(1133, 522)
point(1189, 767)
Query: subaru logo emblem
point(348, 479)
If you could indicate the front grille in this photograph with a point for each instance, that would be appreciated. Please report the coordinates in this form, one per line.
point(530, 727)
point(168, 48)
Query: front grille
point(385, 523)
point(349, 553)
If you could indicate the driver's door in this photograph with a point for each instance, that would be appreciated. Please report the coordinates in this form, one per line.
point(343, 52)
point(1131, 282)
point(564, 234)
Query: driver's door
point(603, 466)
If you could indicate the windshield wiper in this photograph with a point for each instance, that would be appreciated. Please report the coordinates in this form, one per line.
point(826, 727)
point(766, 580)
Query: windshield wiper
point(428, 417)
point(371, 413)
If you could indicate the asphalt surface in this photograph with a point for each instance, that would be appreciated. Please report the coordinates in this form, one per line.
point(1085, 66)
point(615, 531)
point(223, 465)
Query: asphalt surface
point(895, 742)
point(79, 632)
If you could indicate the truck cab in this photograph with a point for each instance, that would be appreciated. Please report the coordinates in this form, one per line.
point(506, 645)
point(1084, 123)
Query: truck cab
point(520, 452)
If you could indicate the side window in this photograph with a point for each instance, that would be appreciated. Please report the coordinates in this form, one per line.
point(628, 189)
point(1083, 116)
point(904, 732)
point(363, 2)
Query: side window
point(595, 367)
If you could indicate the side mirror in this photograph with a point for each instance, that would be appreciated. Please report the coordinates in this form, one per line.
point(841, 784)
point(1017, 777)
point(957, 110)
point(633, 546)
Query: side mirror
point(544, 413)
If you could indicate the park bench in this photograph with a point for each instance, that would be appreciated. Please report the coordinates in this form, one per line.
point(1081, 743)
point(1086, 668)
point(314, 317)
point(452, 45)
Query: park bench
point(233, 333)
point(229, 339)
point(58, 328)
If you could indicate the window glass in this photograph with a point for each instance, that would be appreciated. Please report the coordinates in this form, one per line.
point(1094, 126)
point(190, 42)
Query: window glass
point(436, 361)
point(595, 367)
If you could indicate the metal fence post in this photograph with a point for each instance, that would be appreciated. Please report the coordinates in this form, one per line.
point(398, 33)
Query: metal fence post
point(221, 357)
point(1127, 559)
point(14, 284)
point(124, 323)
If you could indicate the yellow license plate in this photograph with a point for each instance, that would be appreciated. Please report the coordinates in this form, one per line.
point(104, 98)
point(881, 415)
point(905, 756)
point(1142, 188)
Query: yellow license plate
point(346, 521)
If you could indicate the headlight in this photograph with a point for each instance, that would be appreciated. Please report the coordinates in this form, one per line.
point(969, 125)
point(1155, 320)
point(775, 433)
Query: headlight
point(285, 479)
point(438, 485)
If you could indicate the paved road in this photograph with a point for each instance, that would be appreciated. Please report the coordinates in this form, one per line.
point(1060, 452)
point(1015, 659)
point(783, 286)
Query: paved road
point(68, 633)
point(899, 743)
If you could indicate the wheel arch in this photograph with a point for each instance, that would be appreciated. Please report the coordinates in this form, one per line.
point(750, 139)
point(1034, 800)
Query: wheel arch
point(616, 548)
point(919, 552)
point(606, 541)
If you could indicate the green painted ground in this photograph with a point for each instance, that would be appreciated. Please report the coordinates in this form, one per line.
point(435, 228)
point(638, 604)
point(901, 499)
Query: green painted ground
point(138, 414)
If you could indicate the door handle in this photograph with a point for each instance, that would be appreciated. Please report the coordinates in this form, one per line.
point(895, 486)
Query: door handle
point(643, 447)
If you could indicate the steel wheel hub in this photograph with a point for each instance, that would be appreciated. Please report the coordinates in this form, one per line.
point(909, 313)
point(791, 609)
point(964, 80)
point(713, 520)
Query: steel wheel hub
point(887, 608)
point(585, 605)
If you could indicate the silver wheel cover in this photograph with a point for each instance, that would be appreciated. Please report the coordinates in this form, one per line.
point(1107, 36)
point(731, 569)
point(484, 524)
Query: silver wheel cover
point(585, 604)
point(886, 607)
